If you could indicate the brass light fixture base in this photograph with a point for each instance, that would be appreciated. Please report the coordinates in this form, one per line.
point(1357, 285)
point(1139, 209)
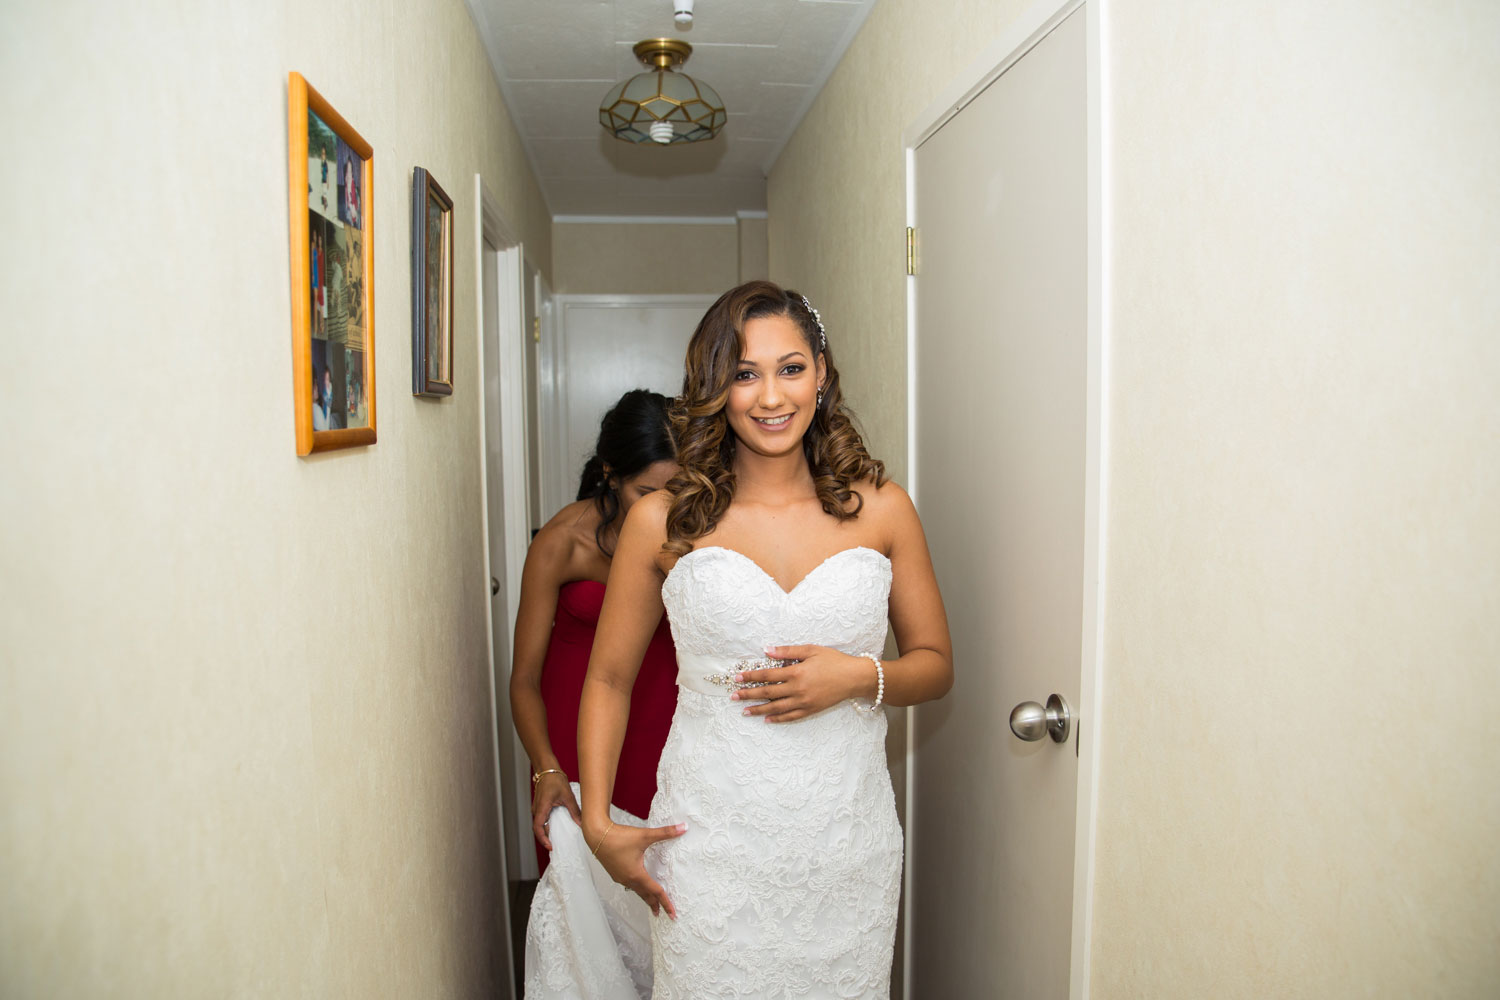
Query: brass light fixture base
point(662, 53)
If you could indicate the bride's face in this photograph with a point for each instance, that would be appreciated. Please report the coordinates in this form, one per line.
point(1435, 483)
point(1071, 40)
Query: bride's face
point(774, 394)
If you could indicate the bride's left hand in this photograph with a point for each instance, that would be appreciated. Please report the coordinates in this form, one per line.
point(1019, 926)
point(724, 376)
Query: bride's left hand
point(821, 677)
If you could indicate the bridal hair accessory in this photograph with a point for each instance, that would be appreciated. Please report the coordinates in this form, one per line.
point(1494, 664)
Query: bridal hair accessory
point(879, 686)
point(822, 333)
point(601, 839)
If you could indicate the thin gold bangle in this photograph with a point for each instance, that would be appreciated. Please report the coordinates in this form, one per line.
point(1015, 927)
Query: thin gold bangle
point(601, 839)
point(537, 775)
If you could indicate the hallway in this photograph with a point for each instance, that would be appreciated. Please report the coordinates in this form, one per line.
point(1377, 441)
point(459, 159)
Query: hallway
point(247, 715)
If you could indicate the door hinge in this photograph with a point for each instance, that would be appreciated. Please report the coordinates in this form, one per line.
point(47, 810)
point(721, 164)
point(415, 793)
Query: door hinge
point(536, 329)
point(911, 250)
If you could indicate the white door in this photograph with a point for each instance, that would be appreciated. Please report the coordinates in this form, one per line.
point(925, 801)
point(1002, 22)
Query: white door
point(1001, 452)
point(609, 344)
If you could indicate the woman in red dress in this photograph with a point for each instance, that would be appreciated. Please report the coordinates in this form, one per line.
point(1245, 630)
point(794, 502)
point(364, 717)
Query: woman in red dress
point(562, 590)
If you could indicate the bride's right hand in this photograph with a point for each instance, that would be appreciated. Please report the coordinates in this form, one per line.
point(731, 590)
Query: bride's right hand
point(622, 852)
point(552, 790)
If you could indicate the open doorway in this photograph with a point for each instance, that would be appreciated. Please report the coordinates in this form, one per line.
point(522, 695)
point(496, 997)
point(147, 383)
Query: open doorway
point(504, 475)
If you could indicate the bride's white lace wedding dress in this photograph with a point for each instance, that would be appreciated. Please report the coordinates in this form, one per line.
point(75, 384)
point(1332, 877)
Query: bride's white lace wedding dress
point(787, 879)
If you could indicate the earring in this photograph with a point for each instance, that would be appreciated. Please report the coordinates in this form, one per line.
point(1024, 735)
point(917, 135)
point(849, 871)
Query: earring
point(820, 395)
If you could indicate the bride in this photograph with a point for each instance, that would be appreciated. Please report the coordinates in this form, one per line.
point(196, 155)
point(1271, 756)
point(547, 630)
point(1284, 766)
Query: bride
point(771, 857)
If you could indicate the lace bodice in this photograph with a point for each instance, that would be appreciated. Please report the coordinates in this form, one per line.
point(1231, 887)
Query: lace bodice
point(722, 604)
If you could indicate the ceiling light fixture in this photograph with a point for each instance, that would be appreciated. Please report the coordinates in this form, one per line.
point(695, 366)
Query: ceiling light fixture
point(661, 104)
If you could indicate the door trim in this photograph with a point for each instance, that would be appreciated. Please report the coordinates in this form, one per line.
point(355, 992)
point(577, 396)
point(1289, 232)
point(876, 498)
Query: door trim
point(554, 485)
point(490, 227)
point(1029, 29)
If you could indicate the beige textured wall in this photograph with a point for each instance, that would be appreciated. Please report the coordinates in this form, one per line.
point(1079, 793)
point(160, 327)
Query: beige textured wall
point(1305, 504)
point(600, 258)
point(755, 249)
point(245, 738)
point(1300, 743)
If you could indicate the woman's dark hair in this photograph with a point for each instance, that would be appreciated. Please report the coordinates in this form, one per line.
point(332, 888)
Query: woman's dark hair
point(634, 434)
point(704, 486)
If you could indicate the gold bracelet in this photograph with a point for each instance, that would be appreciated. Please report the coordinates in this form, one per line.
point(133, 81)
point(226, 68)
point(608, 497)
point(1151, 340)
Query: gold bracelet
point(601, 839)
point(537, 775)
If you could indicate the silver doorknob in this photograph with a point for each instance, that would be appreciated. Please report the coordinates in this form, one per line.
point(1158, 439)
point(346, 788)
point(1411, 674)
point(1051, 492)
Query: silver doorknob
point(1030, 721)
point(494, 586)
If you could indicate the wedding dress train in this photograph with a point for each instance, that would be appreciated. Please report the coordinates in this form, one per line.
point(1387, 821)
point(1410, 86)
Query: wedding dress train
point(588, 938)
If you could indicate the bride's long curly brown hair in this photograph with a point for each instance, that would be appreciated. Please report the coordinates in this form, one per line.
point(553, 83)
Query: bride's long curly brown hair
point(703, 489)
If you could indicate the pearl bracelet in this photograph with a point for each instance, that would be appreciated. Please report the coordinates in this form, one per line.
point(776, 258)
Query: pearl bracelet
point(879, 686)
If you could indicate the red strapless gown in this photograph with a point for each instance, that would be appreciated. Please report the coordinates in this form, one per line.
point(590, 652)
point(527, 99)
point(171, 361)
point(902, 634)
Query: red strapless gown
point(653, 701)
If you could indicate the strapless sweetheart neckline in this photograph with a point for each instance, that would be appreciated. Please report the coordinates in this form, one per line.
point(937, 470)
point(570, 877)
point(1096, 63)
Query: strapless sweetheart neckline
point(760, 569)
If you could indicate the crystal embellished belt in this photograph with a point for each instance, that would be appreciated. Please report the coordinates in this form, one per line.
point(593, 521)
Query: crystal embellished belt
point(740, 666)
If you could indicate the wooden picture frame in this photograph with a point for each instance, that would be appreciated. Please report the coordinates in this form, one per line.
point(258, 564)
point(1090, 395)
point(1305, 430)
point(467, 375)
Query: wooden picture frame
point(431, 287)
point(333, 274)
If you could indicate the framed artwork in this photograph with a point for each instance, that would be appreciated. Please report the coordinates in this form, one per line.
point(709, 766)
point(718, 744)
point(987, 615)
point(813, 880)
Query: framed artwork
point(431, 287)
point(331, 176)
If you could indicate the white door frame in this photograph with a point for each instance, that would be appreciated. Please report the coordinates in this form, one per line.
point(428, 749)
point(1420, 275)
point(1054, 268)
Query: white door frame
point(1029, 29)
point(490, 227)
point(549, 403)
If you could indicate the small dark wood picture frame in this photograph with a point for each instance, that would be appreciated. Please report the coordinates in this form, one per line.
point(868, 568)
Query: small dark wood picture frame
point(331, 175)
point(431, 287)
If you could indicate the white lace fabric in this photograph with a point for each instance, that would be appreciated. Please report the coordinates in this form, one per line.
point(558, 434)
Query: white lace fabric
point(787, 879)
point(588, 937)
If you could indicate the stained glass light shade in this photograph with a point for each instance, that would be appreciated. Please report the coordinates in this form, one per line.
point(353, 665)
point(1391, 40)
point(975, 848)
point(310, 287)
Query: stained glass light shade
point(662, 105)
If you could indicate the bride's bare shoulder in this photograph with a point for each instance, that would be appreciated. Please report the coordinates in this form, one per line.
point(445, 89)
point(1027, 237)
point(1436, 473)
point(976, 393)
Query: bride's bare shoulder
point(888, 514)
point(883, 501)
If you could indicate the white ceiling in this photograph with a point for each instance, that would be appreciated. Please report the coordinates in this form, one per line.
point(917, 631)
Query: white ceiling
point(556, 58)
